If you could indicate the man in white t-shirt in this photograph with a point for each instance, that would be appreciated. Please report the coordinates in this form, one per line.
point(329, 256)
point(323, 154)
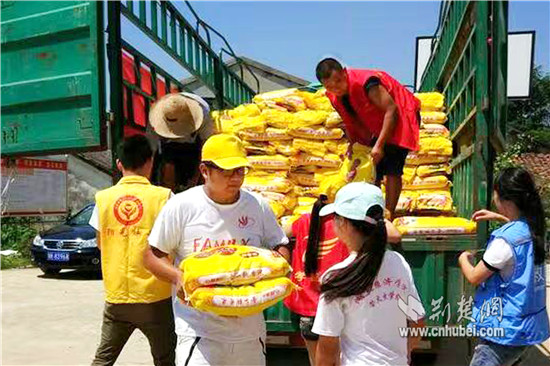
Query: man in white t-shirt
point(215, 214)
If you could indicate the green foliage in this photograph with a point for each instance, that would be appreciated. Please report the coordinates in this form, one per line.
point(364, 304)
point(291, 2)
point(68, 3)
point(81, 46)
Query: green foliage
point(17, 234)
point(15, 261)
point(532, 116)
point(522, 144)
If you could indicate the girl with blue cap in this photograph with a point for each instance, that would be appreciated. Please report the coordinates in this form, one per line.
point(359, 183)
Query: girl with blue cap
point(511, 280)
point(371, 294)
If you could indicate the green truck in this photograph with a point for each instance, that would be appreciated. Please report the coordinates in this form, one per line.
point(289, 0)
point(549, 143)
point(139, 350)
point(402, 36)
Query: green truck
point(54, 94)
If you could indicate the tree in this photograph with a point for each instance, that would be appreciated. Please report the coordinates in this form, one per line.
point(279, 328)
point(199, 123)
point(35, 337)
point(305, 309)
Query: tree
point(532, 116)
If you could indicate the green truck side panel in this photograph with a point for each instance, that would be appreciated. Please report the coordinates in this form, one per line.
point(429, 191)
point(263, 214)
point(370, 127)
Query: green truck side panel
point(184, 44)
point(52, 76)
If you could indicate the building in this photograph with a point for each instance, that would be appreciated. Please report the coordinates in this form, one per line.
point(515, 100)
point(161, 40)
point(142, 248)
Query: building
point(268, 78)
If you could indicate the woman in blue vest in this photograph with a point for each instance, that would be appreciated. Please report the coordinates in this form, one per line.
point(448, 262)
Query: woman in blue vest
point(511, 293)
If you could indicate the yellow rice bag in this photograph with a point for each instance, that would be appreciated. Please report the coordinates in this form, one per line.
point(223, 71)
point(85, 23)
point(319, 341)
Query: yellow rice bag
point(301, 210)
point(328, 161)
point(292, 103)
point(278, 119)
point(278, 208)
point(270, 162)
point(267, 174)
point(318, 170)
point(432, 117)
point(276, 94)
point(432, 183)
point(288, 201)
point(360, 168)
point(320, 177)
point(410, 225)
point(244, 110)
point(270, 134)
point(222, 122)
point(242, 300)
point(287, 221)
point(307, 191)
point(319, 133)
point(434, 130)
point(259, 184)
point(303, 178)
point(407, 202)
point(436, 145)
point(271, 104)
point(285, 147)
point(316, 101)
point(333, 120)
point(433, 169)
point(312, 147)
point(224, 125)
point(259, 148)
point(231, 265)
point(409, 172)
point(431, 101)
point(332, 184)
point(339, 147)
point(249, 124)
point(422, 159)
point(434, 200)
point(309, 118)
point(306, 201)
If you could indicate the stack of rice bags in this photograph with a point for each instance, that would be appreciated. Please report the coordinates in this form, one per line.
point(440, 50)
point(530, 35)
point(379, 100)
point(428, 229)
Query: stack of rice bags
point(296, 145)
point(426, 184)
point(235, 280)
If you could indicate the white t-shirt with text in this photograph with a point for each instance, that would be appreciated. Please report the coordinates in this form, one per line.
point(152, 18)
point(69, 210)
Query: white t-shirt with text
point(191, 222)
point(368, 324)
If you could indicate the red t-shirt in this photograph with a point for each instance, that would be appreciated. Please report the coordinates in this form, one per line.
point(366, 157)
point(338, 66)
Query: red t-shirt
point(331, 251)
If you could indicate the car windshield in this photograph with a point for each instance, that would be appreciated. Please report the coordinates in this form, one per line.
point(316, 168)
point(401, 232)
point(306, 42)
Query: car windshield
point(81, 218)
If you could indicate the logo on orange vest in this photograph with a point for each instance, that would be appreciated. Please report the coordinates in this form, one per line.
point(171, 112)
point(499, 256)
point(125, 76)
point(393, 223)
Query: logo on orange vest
point(128, 210)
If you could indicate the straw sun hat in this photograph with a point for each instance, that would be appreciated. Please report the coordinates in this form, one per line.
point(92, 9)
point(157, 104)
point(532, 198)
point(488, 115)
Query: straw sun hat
point(176, 116)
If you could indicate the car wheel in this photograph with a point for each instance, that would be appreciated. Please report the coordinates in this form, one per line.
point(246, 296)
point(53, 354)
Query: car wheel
point(51, 271)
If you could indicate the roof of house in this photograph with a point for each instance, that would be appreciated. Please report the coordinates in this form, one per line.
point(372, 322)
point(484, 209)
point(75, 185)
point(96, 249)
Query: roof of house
point(538, 164)
point(258, 65)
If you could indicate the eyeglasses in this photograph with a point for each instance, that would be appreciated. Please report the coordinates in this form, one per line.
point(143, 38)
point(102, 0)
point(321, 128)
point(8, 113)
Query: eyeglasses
point(228, 173)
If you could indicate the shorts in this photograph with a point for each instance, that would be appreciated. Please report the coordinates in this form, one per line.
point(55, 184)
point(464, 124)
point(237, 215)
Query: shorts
point(392, 162)
point(306, 323)
point(200, 351)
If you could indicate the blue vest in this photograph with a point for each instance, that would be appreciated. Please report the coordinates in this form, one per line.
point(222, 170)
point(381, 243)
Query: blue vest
point(517, 304)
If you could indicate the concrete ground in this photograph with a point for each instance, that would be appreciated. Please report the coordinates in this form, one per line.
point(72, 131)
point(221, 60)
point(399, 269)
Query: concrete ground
point(56, 320)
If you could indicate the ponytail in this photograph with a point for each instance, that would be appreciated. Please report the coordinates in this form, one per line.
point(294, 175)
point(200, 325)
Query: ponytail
point(359, 276)
point(516, 185)
point(312, 249)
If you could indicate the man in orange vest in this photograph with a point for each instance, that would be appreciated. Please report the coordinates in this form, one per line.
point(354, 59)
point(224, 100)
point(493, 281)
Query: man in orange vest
point(379, 112)
point(123, 217)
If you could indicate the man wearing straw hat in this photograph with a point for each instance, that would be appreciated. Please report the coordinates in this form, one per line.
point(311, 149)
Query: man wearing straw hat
point(181, 123)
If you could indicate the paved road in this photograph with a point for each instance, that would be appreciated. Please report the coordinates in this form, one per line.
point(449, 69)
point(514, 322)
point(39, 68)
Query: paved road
point(56, 321)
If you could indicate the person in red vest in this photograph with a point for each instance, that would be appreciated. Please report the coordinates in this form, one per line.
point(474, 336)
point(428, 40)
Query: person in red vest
point(379, 112)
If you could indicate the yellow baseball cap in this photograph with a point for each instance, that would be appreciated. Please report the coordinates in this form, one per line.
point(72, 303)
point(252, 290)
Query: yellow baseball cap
point(226, 151)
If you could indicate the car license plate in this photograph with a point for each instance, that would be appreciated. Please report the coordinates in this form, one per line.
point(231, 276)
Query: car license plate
point(58, 256)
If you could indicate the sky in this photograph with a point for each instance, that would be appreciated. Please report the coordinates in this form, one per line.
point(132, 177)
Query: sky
point(294, 36)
